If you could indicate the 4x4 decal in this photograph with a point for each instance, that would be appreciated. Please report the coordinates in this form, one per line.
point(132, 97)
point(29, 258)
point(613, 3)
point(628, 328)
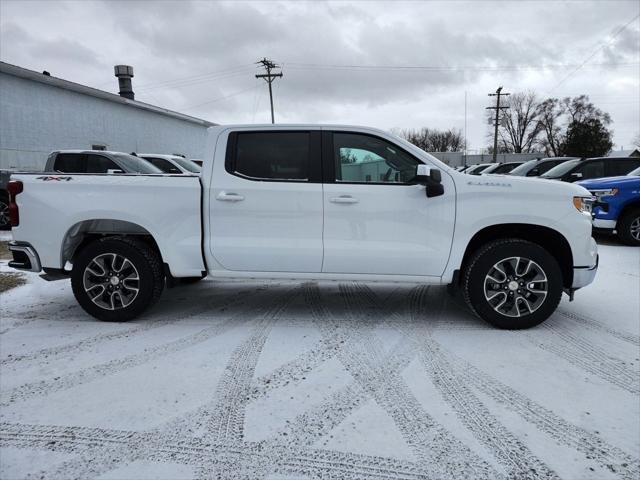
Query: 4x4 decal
point(49, 178)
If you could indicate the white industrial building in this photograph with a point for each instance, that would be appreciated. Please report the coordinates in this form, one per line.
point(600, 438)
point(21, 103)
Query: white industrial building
point(40, 113)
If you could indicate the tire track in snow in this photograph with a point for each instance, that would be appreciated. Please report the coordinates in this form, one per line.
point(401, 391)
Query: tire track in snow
point(561, 430)
point(18, 324)
point(226, 423)
point(601, 327)
point(73, 379)
point(506, 448)
point(100, 338)
point(585, 355)
point(194, 451)
point(294, 371)
point(439, 454)
point(319, 420)
point(101, 463)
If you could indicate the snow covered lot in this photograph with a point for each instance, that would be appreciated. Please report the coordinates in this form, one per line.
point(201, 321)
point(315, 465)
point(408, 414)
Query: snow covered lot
point(251, 380)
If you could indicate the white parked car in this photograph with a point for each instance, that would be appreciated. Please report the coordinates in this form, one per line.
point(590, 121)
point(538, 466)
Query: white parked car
point(479, 168)
point(312, 203)
point(171, 163)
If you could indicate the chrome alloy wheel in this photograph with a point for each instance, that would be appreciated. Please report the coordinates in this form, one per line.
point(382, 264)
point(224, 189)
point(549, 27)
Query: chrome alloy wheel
point(111, 281)
point(635, 229)
point(515, 286)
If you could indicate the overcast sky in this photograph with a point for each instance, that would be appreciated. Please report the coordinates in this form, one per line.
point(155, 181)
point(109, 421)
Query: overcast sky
point(343, 62)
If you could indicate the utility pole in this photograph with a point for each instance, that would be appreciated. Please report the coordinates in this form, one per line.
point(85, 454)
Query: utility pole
point(497, 108)
point(269, 78)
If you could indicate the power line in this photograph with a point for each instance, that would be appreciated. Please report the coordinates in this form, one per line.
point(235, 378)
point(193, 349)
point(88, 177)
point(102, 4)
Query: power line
point(197, 78)
point(219, 98)
point(451, 68)
point(269, 78)
point(596, 51)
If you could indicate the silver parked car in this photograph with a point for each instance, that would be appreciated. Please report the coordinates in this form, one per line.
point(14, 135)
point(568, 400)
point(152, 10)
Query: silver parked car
point(171, 163)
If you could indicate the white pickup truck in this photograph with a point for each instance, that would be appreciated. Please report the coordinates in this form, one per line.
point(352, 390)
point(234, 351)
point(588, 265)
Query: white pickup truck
point(308, 202)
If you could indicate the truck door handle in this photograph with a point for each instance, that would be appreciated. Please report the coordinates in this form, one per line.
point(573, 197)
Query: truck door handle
point(229, 197)
point(343, 199)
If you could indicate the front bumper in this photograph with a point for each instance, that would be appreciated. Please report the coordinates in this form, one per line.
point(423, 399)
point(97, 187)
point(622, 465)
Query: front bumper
point(25, 257)
point(604, 224)
point(583, 276)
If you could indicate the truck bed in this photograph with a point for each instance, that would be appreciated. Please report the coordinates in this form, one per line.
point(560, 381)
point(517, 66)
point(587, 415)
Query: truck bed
point(55, 208)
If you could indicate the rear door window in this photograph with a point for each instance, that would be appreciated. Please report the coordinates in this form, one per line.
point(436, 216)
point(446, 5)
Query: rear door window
point(617, 167)
point(100, 164)
point(271, 156)
point(591, 169)
point(70, 163)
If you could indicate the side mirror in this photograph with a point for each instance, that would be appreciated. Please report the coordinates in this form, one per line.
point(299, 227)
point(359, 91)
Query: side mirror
point(111, 171)
point(432, 178)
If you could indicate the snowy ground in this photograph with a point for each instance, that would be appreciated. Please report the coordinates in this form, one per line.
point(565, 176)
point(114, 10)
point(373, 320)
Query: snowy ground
point(250, 380)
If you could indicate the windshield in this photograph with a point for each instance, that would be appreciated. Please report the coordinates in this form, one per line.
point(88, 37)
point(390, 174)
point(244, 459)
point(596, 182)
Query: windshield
point(503, 168)
point(523, 169)
point(634, 173)
point(187, 164)
point(478, 169)
point(561, 169)
point(135, 164)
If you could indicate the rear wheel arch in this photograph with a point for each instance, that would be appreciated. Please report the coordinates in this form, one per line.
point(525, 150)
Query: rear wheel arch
point(85, 232)
point(549, 239)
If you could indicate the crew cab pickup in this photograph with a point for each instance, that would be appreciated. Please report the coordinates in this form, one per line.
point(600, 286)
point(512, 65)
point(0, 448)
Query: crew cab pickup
point(308, 202)
point(617, 205)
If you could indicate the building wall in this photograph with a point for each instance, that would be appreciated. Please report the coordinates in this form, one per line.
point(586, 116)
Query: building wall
point(36, 118)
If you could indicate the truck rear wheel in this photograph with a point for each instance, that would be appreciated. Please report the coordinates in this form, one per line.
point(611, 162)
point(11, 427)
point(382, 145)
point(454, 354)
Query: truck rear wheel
point(115, 279)
point(628, 227)
point(512, 284)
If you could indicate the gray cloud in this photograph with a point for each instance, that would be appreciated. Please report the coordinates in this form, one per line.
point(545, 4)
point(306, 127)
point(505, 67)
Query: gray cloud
point(198, 56)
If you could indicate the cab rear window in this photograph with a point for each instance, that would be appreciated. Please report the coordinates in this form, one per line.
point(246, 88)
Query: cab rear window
point(271, 155)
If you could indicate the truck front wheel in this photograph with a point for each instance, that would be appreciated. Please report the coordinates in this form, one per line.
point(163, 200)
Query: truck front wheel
point(628, 227)
point(117, 278)
point(512, 284)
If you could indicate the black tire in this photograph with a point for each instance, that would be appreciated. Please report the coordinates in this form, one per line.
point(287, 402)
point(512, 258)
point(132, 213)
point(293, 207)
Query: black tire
point(143, 260)
point(627, 225)
point(5, 222)
point(476, 280)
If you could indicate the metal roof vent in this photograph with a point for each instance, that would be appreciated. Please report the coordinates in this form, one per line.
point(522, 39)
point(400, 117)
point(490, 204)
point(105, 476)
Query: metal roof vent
point(124, 74)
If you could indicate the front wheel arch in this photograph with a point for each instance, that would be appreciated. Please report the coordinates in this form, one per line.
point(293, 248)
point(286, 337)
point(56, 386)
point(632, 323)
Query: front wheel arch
point(549, 239)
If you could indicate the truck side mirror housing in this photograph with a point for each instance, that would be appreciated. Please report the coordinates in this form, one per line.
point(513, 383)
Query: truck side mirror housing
point(432, 178)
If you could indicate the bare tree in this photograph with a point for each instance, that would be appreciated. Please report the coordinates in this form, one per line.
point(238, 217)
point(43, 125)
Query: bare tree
point(432, 140)
point(580, 109)
point(520, 126)
point(551, 126)
point(636, 140)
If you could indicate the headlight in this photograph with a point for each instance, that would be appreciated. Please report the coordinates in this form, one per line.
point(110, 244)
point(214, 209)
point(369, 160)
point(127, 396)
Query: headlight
point(608, 192)
point(583, 204)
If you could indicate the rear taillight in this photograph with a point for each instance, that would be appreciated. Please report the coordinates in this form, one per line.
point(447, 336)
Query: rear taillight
point(14, 187)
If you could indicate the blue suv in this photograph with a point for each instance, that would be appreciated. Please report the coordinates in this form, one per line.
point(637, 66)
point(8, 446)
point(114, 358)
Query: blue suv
point(617, 205)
